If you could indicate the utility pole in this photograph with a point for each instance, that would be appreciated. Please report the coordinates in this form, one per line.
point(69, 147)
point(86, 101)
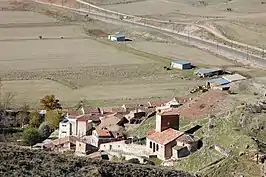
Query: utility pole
point(62, 3)
point(263, 52)
point(188, 36)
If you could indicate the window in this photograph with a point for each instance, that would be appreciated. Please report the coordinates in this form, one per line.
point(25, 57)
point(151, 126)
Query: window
point(63, 125)
point(157, 147)
point(64, 132)
point(150, 144)
point(119, 146)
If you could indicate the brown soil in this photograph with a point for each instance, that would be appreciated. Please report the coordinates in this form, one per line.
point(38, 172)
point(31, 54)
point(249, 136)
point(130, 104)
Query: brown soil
point(97, 33)
point(202, 105)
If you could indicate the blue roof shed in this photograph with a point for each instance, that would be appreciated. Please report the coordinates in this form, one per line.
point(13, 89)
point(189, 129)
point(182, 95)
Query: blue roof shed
point(179, 64)
point(218, 82)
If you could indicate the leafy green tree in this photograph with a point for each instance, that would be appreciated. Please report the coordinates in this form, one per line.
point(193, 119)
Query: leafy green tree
point(53, 117)
point(49, 102)
point(44, 130)
point(34, 119)
point(31, 136)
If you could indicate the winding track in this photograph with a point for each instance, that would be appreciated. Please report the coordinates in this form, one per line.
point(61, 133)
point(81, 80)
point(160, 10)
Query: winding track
point(114, 17)
point(135, 18)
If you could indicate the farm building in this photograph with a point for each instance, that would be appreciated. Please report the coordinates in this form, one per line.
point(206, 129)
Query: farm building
point(222, 87)
point(217, 82)
point(181, 65)
point(208, 72)
point(234, 77)
point(117, 37)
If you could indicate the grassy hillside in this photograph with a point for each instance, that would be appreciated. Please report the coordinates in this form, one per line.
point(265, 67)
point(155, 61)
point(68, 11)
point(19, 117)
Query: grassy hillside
point(227, 132)
point(232, 131)
point(25, 162)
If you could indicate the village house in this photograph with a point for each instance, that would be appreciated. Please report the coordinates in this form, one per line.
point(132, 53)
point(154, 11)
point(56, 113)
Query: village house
point(166, 141)
point(64, 144)
point(70, 143)
point(100, 136)
point(81, 123)
point(77, 126)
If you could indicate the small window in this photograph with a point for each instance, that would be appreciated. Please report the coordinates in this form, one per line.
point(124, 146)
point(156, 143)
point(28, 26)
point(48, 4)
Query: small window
point(64, 125)
point(119, 146)
point(63, 132)
point(157, 147)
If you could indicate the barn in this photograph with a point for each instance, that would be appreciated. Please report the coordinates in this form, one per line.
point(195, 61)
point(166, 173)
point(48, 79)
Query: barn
point(182, 65)
point(117, 37)
point(217, 82)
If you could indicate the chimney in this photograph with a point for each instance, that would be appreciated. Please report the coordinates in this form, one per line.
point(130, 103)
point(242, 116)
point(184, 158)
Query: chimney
point(158, 122)
point(100, 110)
point(82, 110)
point(124, 107)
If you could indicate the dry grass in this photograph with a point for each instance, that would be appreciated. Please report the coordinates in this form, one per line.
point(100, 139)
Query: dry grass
point(178, 51)
point(78, 67)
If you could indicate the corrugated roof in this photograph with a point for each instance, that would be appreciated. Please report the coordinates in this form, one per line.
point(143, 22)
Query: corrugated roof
point(165, 136)
point(118, 34)
point(207, 70)
point(182, 62)
point(218, 81)
point(234, 77)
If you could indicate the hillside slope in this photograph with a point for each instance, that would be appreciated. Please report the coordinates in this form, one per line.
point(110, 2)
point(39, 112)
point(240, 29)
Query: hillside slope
point(15, 161)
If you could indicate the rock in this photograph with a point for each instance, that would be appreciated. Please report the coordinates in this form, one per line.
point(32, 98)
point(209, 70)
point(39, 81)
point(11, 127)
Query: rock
point(241, 153)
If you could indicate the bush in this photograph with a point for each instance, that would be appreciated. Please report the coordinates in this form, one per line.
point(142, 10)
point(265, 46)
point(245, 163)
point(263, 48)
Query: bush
point(45, 130)
point(53, 117)
point(34, 121)
point(31, 136)
point(134, 160)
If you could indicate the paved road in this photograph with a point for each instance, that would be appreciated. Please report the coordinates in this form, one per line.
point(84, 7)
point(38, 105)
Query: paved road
point(232, 53)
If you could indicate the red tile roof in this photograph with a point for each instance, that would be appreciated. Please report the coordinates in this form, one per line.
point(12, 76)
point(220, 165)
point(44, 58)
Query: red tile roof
point(102, 132)
point(84, 118)
point(150, 132)
point(165, 136)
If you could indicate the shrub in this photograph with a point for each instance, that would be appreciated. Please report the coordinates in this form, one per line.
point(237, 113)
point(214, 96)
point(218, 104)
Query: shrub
point(134, 160)
point(44, 130)
point(31, 136)
point(34, 121)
